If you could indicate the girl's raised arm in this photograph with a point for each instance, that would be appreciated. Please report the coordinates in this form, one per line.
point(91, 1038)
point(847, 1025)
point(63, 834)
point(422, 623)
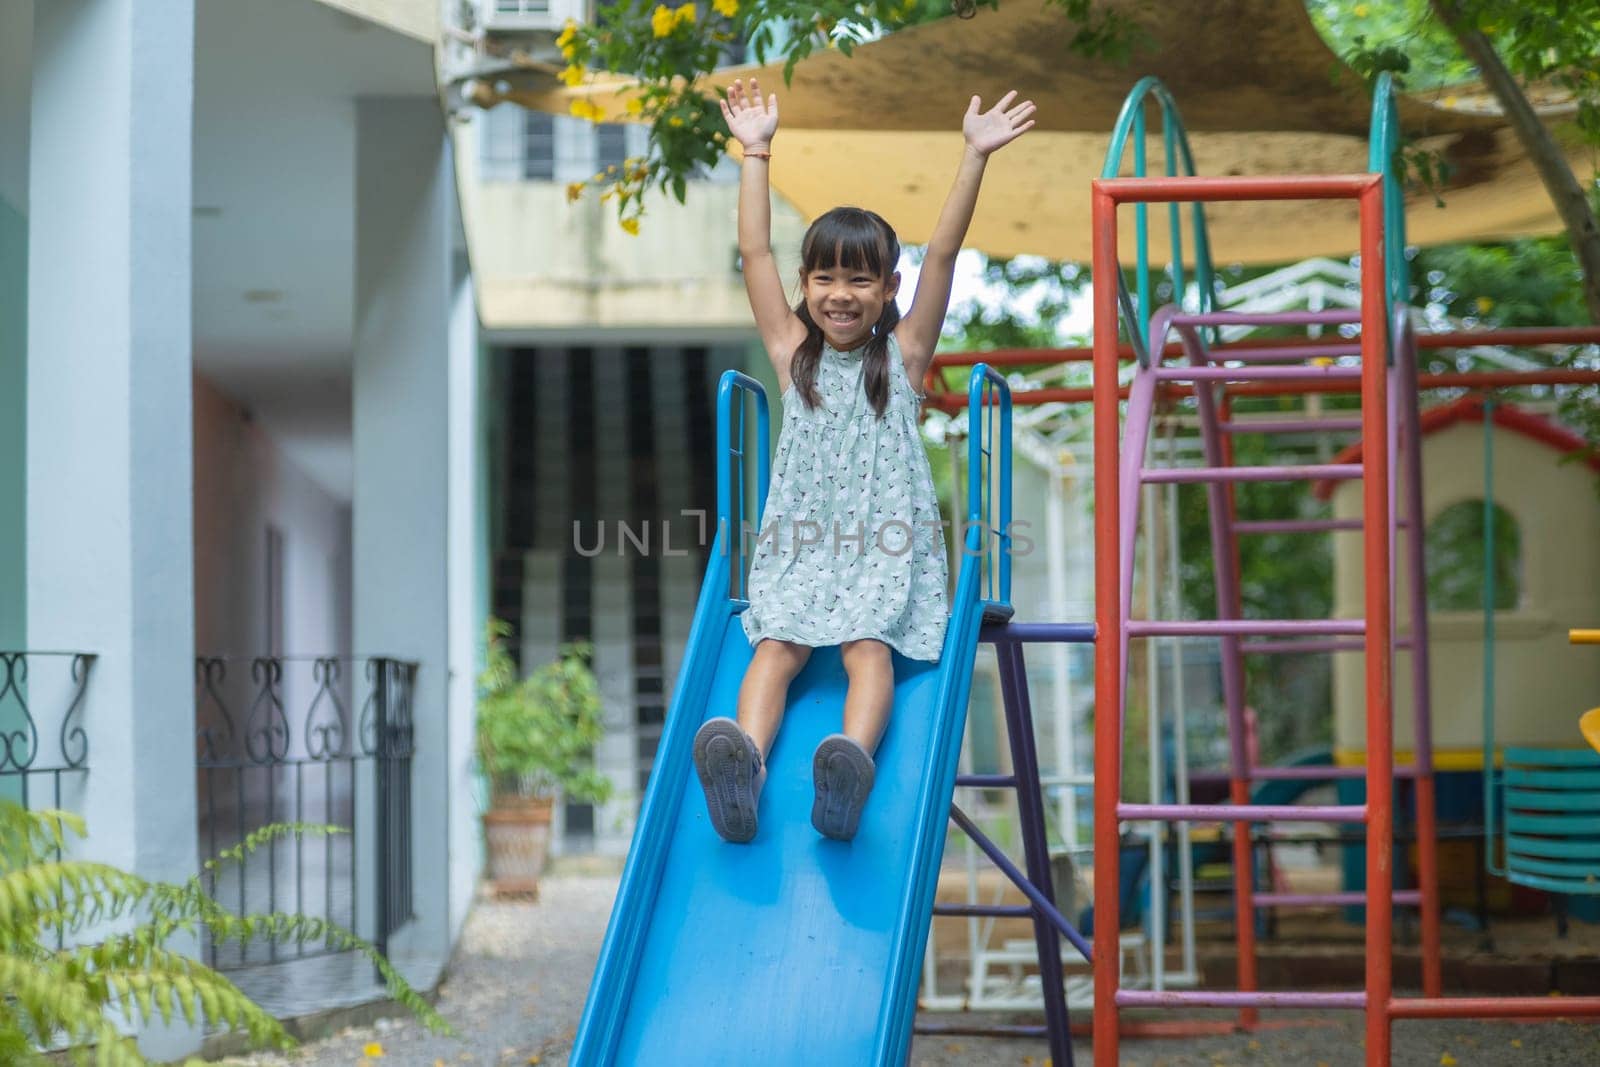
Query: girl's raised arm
point(984, 132)
point(753, 123)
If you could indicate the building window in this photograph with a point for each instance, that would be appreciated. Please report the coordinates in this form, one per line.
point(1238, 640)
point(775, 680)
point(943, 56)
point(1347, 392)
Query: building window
point(538, 146)
point(611, 145)
point(1455, 545)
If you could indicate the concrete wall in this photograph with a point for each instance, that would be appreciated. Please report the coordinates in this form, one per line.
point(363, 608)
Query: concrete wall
point(1542, 684)
point(243, 482)
point(543, 263)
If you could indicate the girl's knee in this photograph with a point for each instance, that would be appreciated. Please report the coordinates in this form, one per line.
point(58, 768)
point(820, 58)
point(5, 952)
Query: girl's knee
point(864, 651)
point(786, 653)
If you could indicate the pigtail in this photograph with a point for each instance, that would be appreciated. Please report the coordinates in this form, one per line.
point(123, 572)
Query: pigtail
point(807, 358)
point(875, 372)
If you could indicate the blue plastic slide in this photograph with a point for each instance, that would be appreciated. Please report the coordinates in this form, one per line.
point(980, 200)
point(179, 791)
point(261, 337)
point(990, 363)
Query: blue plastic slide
point(792, 949)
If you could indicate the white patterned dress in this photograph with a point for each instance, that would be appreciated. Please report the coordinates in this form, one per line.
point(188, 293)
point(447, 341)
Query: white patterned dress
point(850, 546)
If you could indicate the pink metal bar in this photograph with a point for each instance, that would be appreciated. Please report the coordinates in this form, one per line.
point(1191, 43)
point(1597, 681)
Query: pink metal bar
point(1270, 373)
point(1310, 472)
point(1243, 812)
point(1278, 526)
point(1288, 353)
point(1315, 773)
point(1292, 648)
point(1332, 317)
point(1331, 425)
point(1147, 998)
point(1410, 897)
point(1242, 627)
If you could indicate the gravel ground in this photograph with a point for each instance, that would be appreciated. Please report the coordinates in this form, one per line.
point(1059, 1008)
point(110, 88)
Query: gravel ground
point(517, 986)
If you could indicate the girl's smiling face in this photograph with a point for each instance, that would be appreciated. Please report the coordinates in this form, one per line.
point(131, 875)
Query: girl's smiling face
point(846, 302)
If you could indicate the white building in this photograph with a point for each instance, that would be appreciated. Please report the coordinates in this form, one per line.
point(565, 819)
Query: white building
point(238, 402)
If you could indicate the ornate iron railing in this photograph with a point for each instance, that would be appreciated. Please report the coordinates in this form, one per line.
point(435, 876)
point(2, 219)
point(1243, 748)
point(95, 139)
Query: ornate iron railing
point(307, 739)
point(42, 739)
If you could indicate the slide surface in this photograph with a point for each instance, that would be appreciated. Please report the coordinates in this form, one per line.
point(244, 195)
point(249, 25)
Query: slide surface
point(792, 948)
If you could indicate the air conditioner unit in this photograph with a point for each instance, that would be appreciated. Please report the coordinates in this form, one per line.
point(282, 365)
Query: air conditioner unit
point(530, 16)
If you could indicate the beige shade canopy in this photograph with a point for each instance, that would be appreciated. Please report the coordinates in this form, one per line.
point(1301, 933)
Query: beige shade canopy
point(1259, 91)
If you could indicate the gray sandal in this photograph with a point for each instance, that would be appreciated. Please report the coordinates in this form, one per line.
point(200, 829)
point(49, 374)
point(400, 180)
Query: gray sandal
point(728, 763)
point(842, 773)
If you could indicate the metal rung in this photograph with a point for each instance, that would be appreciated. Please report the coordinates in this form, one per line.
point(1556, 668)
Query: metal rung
point(988, 781)
point(1290, 426)
point(1243, 812)
point(1268, 353)
point(1311, 900)
point(1315, 772)
point(1199, 998)
point(1243, 627)
point(1309, 472)
point(1180, 373)
point(1272, 526)
point(1326, 317)
point(1005, 911)
point(1305, 648)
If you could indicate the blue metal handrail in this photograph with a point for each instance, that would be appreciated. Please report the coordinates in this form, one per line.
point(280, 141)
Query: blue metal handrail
point(989, 398)
point(731, 442)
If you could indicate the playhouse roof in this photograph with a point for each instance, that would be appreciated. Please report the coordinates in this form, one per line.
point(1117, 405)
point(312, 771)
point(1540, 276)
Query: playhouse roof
point(1470, 409)
point(1259, 90)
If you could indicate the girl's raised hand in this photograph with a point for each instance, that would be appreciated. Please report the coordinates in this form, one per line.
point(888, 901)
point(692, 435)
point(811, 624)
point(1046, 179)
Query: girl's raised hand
point(749, 120)
point(999, 126)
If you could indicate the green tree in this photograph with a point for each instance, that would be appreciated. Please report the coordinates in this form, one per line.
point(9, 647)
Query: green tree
point(670, 48)
point(1510, 45)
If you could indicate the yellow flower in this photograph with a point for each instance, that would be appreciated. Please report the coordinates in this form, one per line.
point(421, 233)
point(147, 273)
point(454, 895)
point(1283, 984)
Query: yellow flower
point(373, 1051)
point(685, 13)
point(587, 109)
point(726, 8)
point(574, 191)
point(1361, 11)
point(661, 21)
point(630, 227)
point(568, 32)
point(573, 74)
point(635, 106)
point(676, 120)
point(1485, 305)
point(1451, 101)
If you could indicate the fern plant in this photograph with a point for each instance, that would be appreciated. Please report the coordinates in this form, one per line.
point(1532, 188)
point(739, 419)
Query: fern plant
point(52, 996)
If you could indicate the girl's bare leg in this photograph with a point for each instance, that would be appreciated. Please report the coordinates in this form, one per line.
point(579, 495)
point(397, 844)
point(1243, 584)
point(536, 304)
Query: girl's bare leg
point(765, 692)
point(871, 695)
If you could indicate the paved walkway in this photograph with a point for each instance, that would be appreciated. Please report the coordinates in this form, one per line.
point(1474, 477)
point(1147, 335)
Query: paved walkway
point(517, 986)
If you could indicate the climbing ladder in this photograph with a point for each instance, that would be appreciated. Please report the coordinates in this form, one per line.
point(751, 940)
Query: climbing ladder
point(1116, 514)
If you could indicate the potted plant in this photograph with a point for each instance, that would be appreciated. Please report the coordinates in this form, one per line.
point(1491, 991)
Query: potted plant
point(535, 740)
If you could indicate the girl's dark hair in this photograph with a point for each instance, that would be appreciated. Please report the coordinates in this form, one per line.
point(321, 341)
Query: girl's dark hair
point(848, 238)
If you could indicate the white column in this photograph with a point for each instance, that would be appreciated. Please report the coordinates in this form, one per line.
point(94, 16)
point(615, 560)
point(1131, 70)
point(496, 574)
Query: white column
point(109, 473)
point(468, 552)
point(16, 47)
point(402, 447)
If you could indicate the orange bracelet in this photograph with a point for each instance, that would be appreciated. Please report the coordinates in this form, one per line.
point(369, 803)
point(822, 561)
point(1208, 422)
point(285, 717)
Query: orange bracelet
point(758, 155)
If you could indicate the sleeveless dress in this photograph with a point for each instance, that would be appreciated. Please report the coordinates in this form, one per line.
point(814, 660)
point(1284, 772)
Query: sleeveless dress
point(850, 544)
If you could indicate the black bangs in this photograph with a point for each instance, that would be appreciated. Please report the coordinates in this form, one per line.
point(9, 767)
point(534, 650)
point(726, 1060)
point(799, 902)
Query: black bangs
point(850, 238)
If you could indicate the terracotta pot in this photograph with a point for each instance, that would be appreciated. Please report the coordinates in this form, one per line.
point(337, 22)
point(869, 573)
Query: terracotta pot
point(516, 832)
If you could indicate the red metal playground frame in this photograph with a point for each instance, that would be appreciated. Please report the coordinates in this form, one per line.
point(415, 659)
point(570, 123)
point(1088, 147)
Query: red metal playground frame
point(1377, 998)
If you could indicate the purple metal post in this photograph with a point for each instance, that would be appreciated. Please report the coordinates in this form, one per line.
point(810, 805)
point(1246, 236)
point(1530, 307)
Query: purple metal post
point(1036, 845)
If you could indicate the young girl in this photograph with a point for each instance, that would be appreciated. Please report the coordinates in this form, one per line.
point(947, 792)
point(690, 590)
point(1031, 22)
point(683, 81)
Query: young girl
point(851, 551)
